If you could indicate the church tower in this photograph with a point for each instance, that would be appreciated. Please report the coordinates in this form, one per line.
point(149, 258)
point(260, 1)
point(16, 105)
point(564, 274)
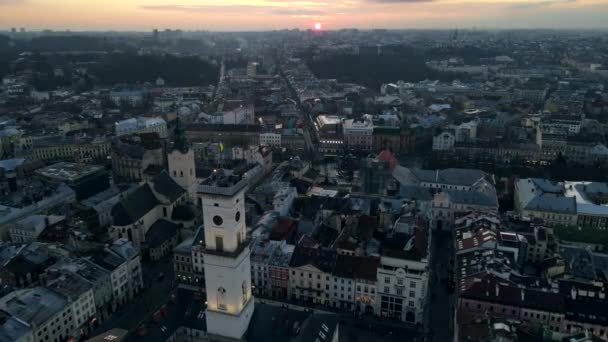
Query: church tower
point(181, 162)
point(226, 255)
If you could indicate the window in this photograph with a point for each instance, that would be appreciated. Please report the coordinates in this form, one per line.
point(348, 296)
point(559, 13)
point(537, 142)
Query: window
point(413, 284)
point(399, 281)
point(219, 243)
point(218, 220)
point(387, 289)
point(387, 280)
point(245, 292)
point(399, 292)
point(221, 297)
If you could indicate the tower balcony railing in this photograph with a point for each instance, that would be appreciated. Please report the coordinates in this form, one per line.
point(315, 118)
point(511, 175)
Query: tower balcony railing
point(229, 254)
point(222, 190)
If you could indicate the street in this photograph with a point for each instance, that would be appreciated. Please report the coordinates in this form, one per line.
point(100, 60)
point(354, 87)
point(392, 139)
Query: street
point(441, 300)
point(153, 296)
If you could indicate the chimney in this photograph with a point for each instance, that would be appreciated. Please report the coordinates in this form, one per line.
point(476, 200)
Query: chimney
point(497, 289)
point(523, 295)
point(46, 221)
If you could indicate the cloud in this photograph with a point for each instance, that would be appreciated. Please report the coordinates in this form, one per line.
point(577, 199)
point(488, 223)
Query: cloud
point(11, 2)
point(198, 8)
point(539, 4)
point(399, 1)
point(227, 9)
point(295, 11)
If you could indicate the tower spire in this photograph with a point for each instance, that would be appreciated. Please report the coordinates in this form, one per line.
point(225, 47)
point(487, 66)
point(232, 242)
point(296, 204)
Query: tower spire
point(181, 142)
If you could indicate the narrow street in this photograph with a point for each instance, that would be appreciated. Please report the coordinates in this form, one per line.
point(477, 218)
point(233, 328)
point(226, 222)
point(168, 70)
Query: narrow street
point(155, 293)
point(440, 313)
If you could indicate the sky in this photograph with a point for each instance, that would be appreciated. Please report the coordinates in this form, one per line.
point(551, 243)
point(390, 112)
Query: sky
point(236, 15)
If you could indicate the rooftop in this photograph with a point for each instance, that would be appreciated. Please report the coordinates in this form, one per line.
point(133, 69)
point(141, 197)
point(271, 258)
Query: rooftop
point(567, 197)
point(69, 172)
point(223, 183)
point(322, 259)
point(114, 335)
point(159, 232)
point(34, 306)
point(12, 329)
point(69, 285)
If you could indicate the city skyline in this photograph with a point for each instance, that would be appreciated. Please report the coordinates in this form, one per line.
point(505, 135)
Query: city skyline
point(229, 15)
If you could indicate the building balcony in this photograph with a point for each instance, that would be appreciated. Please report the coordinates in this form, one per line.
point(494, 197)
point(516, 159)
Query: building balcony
point(228, 254)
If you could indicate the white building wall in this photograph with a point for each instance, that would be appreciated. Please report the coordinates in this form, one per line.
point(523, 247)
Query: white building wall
point(443, 142)
point(343, 292)
point(405, 281)
point(182, 169)
point(309, 282)
point(270, 139)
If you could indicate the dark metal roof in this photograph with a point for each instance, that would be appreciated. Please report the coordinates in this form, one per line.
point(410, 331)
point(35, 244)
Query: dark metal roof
point(166, 186)
point(323, 259)
point(134, 206)
point(161, 231)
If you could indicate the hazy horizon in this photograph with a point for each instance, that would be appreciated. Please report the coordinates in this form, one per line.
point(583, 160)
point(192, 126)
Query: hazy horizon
point(265, 15)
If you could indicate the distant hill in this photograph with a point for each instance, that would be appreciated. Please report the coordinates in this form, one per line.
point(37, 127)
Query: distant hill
point(372, 70)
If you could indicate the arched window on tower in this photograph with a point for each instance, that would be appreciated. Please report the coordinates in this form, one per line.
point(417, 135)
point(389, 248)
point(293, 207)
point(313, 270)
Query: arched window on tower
point(221, 298)
point(245, 292)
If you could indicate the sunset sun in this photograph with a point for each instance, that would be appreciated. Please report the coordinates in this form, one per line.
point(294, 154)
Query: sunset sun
point(318, 26)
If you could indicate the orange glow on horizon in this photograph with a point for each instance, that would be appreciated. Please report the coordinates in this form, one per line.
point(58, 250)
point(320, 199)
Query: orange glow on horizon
point(229, 15)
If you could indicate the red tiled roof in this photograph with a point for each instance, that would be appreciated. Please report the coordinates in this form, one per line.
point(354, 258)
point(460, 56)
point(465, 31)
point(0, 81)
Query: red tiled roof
point(282, 229)
point(388, 156)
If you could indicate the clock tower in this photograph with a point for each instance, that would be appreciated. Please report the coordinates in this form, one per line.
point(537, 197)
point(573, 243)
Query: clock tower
point(226, 257)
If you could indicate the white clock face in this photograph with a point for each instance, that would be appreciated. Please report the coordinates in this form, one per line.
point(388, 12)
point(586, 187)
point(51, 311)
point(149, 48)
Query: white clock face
point(218, 220)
